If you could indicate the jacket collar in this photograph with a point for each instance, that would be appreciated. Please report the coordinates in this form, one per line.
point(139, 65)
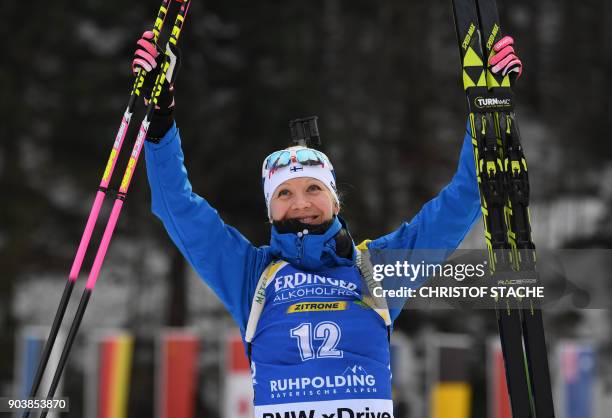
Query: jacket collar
point(310, 252)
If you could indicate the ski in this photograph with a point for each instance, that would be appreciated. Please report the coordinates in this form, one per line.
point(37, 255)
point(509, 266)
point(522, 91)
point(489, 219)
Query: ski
point(501, 171)
point(518, 224)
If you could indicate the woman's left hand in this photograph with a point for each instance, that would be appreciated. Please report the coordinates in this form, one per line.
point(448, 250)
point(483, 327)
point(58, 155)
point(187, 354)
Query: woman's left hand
point(505, 60)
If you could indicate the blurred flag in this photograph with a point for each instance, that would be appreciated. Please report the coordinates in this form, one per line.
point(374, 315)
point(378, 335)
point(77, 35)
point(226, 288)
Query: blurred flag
point(448, 376)
point(238, 399)
point(499, 400)
point(108, 374)
point(28, 348)
point(177, 373)
point(577, 380)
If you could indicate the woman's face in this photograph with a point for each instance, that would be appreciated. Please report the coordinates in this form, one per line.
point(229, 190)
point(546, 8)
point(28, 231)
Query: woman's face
point(305, 199)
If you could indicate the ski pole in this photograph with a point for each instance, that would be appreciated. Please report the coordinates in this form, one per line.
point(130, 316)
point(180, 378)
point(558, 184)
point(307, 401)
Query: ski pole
point(94, 213)
point(123, 189)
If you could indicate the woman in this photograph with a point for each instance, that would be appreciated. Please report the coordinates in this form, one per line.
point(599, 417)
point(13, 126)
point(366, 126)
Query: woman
point(318, 347)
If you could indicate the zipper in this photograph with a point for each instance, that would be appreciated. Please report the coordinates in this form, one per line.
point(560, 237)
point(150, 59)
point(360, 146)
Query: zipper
point(300, 244)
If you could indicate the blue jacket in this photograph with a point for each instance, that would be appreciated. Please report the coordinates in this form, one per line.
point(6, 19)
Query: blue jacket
point(231, 265)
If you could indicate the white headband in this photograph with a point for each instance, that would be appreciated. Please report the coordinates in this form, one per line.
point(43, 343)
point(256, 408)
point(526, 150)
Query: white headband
point(273, 175)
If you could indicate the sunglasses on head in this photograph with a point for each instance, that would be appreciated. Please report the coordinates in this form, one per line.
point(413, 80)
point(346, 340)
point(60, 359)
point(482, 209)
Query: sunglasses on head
point(284, 158)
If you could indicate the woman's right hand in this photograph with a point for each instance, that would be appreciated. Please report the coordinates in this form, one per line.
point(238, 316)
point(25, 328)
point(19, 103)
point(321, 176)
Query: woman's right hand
point(146, 54)
point(149, 57)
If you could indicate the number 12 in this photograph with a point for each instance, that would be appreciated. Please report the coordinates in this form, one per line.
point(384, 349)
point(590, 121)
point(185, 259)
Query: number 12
point(327, 331)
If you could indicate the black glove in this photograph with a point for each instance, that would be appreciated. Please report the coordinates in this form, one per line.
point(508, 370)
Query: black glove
point(149, 57)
